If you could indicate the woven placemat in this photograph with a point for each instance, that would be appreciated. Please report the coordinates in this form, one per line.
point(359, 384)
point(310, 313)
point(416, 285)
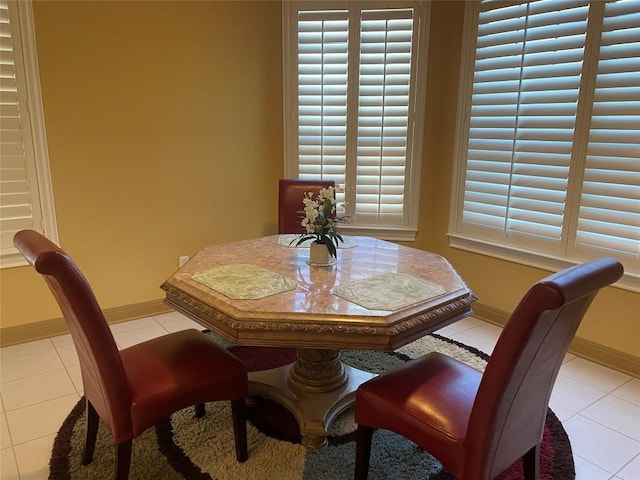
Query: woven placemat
point(244, 282)
point(389, 291)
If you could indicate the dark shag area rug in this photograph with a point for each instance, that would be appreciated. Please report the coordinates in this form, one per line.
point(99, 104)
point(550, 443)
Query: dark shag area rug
point(184, 447)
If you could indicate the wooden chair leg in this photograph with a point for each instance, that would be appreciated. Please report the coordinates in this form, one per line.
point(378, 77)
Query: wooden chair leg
point(123, 460)
point(200, 410)
point(531, 464)
point(364, 436)
point(91, 433)
point(239, 415)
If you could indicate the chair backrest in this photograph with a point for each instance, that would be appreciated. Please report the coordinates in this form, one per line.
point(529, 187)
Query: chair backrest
point(103, 376)
point(290, 195)
point(510, 408)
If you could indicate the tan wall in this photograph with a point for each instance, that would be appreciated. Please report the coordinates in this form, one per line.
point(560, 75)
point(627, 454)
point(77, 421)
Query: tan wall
point(164, 129)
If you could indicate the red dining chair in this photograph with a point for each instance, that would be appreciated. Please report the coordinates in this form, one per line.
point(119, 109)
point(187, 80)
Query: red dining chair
point(136, 387)
point(290, 195)
point(477, 425)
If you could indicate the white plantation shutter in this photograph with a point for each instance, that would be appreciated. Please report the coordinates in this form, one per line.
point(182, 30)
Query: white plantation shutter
point(383, 113)
point(525, 95)
point(610, 202)
point(322, 94)
point(15, 190)
point(550, 157)
point(24, 179)
point(354, 105)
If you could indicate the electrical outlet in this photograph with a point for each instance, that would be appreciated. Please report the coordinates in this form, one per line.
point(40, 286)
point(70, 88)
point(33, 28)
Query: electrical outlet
point(182, 260)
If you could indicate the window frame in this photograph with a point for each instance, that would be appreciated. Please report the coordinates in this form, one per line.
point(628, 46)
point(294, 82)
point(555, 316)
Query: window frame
point(408, 229)
point(502, 249)
point(37, 161)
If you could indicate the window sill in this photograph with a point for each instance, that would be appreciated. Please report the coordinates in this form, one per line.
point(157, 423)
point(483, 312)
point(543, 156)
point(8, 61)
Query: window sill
point(12, 259)
point(629, 281)
point(390, 234)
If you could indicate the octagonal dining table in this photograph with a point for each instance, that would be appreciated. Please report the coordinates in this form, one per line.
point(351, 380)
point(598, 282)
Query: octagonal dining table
point(379, 295)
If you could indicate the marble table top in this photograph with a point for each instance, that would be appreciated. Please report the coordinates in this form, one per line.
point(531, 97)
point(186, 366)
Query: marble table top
point(306, 307)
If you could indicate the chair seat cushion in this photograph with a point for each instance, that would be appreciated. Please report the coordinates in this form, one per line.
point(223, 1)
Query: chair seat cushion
point(427, 400)
point(177, 370)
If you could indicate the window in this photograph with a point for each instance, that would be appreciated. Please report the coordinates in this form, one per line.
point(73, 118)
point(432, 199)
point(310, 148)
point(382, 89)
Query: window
point(26, 199)
point(354, 97)
point(548, 165)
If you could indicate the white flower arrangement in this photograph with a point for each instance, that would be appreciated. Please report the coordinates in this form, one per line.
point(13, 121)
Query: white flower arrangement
point(320, 220)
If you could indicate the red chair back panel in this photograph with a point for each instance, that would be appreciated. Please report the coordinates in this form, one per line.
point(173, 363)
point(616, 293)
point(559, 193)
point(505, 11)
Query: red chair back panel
point(510, 408)
point(290, 207)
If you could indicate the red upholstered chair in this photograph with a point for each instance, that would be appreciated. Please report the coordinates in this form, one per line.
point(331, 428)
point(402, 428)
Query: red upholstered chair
point(478, 425)
point(290, 195)
point(134, 388)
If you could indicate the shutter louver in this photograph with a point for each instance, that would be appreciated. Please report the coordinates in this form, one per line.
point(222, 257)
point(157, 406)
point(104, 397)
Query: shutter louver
point(16, 192)
point(609, 217)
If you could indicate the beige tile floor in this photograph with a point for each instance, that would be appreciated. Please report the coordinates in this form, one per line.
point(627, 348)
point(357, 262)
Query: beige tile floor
point(40, 382)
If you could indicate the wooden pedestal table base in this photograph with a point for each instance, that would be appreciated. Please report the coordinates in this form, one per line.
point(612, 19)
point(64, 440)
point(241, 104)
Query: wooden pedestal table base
point(315, 389)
